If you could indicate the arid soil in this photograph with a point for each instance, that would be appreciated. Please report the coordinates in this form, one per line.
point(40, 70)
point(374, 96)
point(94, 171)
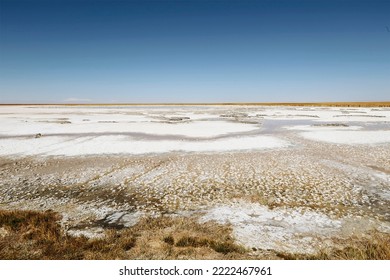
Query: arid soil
point(294, 198)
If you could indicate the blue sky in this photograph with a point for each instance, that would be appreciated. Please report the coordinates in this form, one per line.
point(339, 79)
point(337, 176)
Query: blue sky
point(194, 51)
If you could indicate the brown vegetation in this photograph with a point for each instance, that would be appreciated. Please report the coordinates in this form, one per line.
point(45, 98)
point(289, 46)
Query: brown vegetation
point(373, 247)
point(37, 235)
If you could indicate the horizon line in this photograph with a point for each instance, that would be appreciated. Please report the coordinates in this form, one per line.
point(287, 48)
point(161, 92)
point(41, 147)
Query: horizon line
point(341, 103)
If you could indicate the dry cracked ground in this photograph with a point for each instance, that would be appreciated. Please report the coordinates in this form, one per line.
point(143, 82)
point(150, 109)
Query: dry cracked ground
point(296, 198)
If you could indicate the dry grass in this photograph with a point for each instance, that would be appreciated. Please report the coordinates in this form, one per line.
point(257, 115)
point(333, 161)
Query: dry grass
point(37, 235)
point(374, 247)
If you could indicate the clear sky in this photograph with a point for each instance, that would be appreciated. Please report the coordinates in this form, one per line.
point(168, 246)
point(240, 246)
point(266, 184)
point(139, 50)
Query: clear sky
point(194, 51)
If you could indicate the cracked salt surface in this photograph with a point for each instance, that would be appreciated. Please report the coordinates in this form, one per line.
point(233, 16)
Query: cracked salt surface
point(295, 230)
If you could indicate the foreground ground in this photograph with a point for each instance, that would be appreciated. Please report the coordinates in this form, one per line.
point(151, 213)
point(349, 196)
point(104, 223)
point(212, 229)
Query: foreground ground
point(159, 182)
point(38, 235)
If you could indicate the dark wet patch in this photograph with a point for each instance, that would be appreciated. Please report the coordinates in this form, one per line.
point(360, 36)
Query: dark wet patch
point(107, 224)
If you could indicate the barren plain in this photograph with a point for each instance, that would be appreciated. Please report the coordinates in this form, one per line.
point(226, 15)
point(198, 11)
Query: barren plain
point(284, 179)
